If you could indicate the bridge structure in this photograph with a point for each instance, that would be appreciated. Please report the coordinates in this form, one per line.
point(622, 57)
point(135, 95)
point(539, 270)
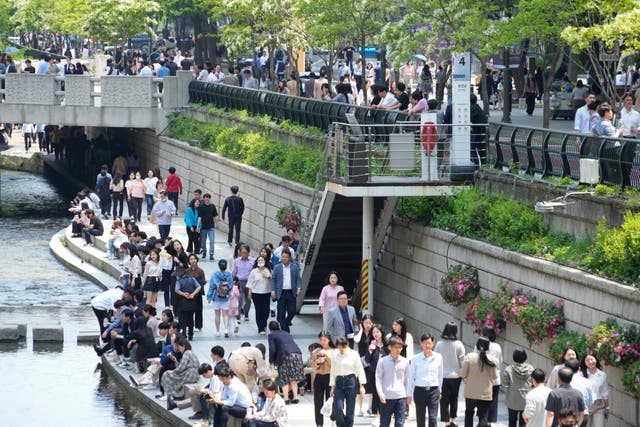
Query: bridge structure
point(85, 100)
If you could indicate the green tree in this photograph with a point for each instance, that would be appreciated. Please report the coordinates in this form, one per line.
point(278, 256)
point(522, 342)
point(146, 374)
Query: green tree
point(600, 24)
point(6, 12)
point(532, 26)
point(116, 21)
point(203, 14)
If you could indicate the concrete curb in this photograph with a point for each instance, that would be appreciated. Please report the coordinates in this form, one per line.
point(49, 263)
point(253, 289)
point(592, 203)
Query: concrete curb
point(141, 397)
point(67, 257)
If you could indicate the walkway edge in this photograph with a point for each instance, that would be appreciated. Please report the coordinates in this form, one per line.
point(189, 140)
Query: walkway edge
point(77, 264)
point(141, 397)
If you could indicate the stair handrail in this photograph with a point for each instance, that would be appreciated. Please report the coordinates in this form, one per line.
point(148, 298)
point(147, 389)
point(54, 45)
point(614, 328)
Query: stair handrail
point(316, 197)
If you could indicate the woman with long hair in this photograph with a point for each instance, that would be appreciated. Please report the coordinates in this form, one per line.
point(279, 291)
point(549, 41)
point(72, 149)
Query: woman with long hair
point(259, 291)
point(329, 295)
point(496, 352)
point(117, 194)
point(197, 273)
point(599, 410)
point(186, 372)
point(452, 351)
point(132, 266)
point(399, 329)
point(145, 344)
point(377, 349)
point(478, 372)
point(569, 353)
point(362, 340)
point(321, 364)
point(152, 277)
point(192, 222)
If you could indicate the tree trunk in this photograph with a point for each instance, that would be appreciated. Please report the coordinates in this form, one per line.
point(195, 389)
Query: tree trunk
point(546, 83)
point(206, 48)
point(364, 68)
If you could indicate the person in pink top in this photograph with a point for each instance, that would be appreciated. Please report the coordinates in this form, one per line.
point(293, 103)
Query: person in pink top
point(136, 196)
point(329, 295)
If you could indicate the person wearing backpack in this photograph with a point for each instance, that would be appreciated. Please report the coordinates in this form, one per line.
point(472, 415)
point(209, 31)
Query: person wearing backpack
point(219, 295)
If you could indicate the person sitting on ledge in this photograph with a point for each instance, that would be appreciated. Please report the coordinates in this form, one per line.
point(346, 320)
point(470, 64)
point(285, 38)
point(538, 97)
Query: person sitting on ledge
point(94, 228)
point(142, 344)
point(235, 399)
point(186, 372)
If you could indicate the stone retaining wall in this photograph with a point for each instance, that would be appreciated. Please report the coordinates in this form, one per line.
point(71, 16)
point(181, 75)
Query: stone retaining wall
point(263, 193)
point(415, 258)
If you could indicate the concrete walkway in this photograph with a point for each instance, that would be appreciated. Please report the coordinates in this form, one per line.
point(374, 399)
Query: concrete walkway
point(305, 328)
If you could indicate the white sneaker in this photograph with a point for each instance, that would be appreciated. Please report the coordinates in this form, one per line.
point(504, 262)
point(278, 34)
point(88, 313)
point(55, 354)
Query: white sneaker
point(163, 398)
point(218, 333)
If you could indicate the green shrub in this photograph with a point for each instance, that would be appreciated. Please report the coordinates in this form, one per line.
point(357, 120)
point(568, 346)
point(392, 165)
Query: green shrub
point(616, 251)
point(299, 163)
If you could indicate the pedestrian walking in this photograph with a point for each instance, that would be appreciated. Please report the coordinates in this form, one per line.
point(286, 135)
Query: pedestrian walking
point(346, 372)
point(285, 288)
point(392, 383)
point(286, 356)
point(452, 351)
point(235, 205)
point(208, 222)
point(478, 372)
point(425, 381)
point(259, 291)
point(173, 186)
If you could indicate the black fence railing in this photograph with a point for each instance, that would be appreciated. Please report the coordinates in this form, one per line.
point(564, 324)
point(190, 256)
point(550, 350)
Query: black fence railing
point(303, 111)
point(552, 153)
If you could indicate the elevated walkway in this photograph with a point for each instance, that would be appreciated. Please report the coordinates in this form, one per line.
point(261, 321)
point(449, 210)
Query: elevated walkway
point(365, 169)
point(84, 100)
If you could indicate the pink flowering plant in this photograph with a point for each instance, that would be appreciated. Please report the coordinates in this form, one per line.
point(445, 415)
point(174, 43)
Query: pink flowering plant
point(289, 216)
point(614, 344)
point(459, 285)
point(539, 319)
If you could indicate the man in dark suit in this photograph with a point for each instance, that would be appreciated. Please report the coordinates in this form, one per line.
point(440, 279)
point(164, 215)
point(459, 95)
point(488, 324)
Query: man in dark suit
point(285, 287)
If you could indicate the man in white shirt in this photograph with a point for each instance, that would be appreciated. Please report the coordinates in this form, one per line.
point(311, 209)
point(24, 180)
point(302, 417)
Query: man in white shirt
point(234, 400)
point(425, 381)
point(145, 70)
point(201, 73)
point(27, 132)
point(630, 118)
point(103, 302)
point(582, 384)
point(581, 123)
point(248, 81)
point(534, 413)
point(387, 99)
point(216, 75)
point(286, 242)
point(199, 396)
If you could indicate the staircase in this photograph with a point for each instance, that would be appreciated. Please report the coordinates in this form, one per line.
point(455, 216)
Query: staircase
point(336, 243)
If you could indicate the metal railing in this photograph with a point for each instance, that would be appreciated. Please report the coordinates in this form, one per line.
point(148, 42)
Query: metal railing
point(551, 153)
point(364, 154)
point(303, 111)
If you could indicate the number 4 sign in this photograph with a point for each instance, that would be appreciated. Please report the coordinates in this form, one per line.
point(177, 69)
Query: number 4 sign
point(462, 66)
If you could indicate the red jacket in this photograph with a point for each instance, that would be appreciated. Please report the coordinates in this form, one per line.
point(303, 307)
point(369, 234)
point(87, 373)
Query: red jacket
point(173, 184)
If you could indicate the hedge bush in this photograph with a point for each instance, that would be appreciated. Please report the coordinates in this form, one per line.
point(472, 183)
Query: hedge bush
point(615, 252)
point(298, 163)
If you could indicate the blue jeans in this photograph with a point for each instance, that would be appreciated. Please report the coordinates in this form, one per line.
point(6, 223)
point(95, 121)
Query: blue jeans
point(395, 407)
point(426, 399)
point(344, 393)
point(149, 198)
point(286, 309)
point(204, 234)
point(205, 407)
